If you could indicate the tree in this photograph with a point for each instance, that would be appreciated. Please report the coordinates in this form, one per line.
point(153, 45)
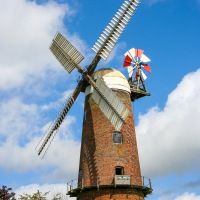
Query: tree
point(36, 196)
point(6, 194)
point(57, 196)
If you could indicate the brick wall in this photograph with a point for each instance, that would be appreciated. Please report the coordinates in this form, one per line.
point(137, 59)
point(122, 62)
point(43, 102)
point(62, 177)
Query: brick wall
point(99, 155)
point(115, 194)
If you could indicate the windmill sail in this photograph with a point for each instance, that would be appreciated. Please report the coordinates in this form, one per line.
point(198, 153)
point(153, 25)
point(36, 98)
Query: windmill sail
point(115, 28)
point(48, 137)
point(55, 126)
point(110, 104)
point(68, 56)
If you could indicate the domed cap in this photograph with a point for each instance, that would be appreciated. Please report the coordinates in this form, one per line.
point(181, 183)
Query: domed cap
point(114, 79)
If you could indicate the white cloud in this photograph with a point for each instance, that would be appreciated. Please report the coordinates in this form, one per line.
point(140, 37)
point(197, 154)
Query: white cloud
point(188, 196)
point(16, 158)
point(21, 128)
point(168, 139)
point(53, 189)
point(26, 32)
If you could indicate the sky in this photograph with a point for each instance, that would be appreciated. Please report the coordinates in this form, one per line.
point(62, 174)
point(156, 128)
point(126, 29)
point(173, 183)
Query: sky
point(33, 88)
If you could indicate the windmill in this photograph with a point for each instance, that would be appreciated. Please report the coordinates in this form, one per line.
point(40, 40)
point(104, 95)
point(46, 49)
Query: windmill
point(70, 58)
point(135, 61)
point(109, 164)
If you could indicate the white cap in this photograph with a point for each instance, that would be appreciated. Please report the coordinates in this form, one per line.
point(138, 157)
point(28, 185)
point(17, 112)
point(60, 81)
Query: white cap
point(113, 78)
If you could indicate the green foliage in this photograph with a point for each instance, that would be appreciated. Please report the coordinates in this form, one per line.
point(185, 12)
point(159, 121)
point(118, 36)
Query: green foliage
point(6, 194)
point(36, 196)
point(57, 196)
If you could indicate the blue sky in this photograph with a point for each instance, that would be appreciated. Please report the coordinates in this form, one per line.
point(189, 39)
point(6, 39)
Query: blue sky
point(33, 86)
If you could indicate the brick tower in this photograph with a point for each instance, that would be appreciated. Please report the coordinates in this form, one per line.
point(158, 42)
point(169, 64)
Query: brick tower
point(109, 164)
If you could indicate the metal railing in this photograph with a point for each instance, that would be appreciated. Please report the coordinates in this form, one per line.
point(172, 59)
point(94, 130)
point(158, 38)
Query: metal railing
point(73, 184)
point(146, 182)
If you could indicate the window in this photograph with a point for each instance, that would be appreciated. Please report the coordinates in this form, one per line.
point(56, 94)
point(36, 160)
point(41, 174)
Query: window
point(117, 137)
point(119, 171)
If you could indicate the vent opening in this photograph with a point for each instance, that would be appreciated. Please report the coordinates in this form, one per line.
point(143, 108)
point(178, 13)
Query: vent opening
point(119, 171)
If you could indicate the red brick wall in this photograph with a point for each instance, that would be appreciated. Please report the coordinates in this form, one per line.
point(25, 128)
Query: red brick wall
point(99, 155)
point(115, 194)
